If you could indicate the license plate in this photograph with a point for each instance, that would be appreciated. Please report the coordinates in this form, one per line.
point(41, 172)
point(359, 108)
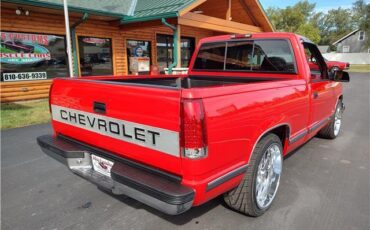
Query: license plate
point(102, 165)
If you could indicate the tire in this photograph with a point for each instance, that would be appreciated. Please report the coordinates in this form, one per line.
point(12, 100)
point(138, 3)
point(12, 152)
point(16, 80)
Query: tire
point(330, 131)
point(244, 197)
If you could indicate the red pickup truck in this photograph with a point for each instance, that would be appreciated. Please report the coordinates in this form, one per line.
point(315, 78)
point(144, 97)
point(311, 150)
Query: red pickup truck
point(173, 142)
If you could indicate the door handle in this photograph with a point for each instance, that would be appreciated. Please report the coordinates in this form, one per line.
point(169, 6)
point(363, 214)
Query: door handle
point(315, 94)
point(99, 107)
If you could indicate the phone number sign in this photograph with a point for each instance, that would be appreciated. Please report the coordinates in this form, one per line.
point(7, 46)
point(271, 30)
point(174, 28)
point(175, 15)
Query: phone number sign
point(27, 76)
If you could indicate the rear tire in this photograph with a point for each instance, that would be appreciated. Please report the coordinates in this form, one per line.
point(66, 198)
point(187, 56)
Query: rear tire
point(262, 173)
point(332, 129)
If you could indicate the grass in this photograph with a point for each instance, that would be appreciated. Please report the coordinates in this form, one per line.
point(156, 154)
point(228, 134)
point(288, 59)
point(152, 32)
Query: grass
point(14, 115)
point(359, 68)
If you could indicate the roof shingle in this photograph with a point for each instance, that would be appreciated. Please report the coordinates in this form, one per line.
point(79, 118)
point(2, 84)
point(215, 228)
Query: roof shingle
point(149, 8)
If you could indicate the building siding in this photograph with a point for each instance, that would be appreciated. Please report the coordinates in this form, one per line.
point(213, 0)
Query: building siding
point(51, 21)
point(355, 45)
point(54, 24)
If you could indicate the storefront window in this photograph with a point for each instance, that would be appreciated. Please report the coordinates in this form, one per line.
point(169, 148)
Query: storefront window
point(95, 56)
point(138, 56)
point(187, 49)
point(26, 57)
point(165, 50)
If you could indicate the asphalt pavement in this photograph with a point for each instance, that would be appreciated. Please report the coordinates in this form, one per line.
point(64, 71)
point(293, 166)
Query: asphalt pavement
point(325, 185)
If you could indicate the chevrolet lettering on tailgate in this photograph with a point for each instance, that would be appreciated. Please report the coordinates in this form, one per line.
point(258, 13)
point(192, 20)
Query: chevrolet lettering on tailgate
point(151, 137)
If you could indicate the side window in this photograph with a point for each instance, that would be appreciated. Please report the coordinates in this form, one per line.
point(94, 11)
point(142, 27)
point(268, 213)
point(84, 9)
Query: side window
point(361, 36)
point(211, 56)
point(239, 55)
point(313, 56)
point(273, 56)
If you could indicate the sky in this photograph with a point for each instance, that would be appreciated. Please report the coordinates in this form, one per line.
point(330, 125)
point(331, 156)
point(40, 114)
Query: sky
point(321, 5)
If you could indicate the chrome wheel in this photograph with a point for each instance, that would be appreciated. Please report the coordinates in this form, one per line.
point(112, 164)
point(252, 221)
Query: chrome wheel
point(268, 176)
point(334, 69)
point(337, 120)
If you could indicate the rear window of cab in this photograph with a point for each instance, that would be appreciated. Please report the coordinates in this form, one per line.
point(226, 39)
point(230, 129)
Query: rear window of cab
point(272, 55)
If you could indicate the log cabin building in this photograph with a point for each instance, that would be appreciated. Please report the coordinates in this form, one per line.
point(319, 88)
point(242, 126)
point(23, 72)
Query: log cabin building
point(111, 37)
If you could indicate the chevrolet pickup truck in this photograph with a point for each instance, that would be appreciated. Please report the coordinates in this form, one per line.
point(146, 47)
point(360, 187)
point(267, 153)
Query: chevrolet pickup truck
point(174, 142)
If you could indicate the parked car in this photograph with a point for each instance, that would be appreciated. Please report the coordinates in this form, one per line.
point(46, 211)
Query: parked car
point(173, 142)
point(337, 65)
point(18, 46)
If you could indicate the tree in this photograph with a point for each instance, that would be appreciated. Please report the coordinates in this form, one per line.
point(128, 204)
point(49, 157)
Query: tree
point(319, 27)
point(333, 25)
point(295, 19)
point(361, 14)
point(309, 31)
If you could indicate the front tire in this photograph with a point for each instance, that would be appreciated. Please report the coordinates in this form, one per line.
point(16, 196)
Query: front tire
point(332, 129)
point(256, 192)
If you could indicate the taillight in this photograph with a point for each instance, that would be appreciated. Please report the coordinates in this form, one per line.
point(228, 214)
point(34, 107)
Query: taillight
point(50, 89)
point(193, 129)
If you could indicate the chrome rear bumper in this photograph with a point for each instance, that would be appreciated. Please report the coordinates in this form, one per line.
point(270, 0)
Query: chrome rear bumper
point(158, 192)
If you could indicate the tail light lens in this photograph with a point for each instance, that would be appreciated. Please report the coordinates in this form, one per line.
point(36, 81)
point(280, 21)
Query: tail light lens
point(50, 89)
point(193, 138)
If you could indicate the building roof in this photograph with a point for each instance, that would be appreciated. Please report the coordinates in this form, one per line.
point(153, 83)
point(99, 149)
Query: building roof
point(129, 11)
point(149, 9)
point(118, 8)
point(348, 35)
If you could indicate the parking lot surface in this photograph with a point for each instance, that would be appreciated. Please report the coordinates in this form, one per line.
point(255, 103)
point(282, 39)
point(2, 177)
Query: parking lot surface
point(325, 185)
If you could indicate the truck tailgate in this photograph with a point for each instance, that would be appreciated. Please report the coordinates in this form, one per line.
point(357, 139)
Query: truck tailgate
point(132, 121)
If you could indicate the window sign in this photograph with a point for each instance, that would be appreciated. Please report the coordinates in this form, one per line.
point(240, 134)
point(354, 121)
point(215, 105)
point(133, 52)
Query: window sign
point(138, 56)
point(27, 57)
point(95, 56)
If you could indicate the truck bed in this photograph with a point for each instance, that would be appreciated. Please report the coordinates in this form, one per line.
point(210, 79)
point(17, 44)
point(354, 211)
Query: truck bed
point(190, 81)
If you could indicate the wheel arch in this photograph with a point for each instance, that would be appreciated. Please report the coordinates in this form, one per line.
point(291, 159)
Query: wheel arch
point(281, 130)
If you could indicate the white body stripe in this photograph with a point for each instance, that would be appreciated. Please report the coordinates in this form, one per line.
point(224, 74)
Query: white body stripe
point(163, 140)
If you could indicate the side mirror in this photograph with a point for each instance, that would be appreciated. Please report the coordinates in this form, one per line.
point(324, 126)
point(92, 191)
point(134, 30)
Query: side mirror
point(339, 76)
